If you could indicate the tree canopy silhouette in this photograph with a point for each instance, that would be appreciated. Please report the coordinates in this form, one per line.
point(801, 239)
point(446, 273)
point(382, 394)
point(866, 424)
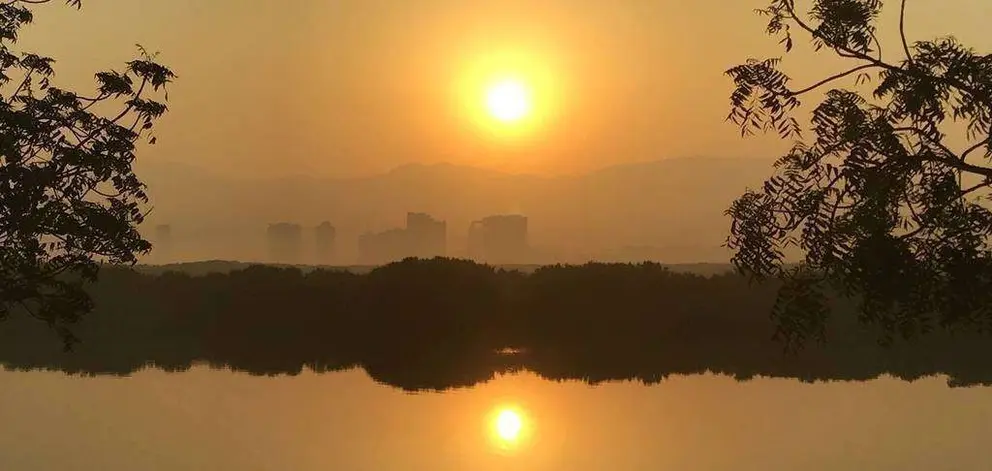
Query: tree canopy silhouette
point(435, 324)
point(884, 208)
point(70, 198)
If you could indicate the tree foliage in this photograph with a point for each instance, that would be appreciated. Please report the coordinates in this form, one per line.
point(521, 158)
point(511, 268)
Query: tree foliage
point(441, 323)
point(884, 208)
point(69, 198)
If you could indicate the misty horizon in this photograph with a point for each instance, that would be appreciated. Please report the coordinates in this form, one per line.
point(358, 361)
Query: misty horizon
point(617, 213)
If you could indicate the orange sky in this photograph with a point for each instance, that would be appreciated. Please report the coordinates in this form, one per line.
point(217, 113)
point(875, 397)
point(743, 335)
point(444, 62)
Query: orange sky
point(359, 86)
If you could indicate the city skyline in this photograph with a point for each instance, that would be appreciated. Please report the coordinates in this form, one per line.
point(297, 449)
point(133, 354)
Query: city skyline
point(296, 243)
point(571, 218)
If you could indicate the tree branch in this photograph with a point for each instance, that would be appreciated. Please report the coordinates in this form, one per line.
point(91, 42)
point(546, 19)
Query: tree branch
point(24, 82)
point(976, 187)
point(979, 145)
point(902, 32)
point(31, 312)
point(912, 209)
point(845, 51)
point(955, 162)
point(878, 45)
point(832, 78)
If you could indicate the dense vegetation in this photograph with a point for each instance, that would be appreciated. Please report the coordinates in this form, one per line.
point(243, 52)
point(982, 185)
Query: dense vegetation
point(435, 324)
point(69, 196)
point(883, 204)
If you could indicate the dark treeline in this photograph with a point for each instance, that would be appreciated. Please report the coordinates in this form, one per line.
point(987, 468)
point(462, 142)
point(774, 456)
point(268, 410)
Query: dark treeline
point(442, 323)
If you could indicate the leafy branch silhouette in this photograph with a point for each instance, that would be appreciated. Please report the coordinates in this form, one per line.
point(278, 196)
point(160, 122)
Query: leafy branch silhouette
point(879, 203)
point(71, 199)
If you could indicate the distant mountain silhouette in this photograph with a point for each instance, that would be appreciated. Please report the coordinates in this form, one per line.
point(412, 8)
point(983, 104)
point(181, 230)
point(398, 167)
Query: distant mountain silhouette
point(676, 203)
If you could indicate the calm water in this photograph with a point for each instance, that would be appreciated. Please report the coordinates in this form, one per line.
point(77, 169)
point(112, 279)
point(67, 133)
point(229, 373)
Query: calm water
point(217, 420)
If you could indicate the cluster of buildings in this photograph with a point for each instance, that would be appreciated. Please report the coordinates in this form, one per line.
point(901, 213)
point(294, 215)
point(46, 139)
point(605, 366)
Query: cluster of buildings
point(494, 239)
point(500, 240)
point(286, 243)
point(423, 237)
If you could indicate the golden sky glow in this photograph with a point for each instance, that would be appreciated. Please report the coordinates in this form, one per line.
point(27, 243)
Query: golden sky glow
point(508, 97)
point(354, 87)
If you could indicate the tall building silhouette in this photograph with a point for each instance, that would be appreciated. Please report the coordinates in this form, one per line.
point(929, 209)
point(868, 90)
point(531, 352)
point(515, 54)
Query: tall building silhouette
point(500, 239)
point(285, 243)
point(162, 245)
point(325, 236)
point(428, 237)
point(423, 237)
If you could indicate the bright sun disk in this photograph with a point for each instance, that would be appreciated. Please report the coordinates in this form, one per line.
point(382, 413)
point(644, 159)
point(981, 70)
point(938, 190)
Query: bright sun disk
point(508, 101)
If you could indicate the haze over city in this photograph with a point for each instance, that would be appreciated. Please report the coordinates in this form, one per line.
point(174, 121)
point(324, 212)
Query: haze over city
point(315, 111)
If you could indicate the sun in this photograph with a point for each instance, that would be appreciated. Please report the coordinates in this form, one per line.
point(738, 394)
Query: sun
point(510, 97)
point(508, 100)
point(508, 425)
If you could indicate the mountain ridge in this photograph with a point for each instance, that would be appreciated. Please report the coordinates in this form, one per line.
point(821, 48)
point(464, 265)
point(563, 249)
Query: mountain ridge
point(171, 166)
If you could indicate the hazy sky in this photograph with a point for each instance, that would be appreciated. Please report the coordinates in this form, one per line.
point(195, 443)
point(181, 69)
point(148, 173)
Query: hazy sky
point(346, 87)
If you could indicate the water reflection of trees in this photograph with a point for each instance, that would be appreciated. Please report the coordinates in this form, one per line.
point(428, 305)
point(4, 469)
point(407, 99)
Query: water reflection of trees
point(437, 324)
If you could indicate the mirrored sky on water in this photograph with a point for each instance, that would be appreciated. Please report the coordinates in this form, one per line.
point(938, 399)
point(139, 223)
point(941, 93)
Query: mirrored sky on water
point(208, 420)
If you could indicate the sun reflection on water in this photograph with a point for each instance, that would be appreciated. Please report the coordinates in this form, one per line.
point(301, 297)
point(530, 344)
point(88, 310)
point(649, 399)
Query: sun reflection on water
point(509, 428)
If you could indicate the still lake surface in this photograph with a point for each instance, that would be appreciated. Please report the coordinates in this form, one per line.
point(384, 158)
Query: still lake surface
point(219, 420)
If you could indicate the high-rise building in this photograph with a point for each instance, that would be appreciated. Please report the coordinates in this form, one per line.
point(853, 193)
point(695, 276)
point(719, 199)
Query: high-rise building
point(162, 245)
point(325, 236)
point(423, 237)
point(285, 243)
point(500, 239)
point(476, 241)
point(428, 237)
